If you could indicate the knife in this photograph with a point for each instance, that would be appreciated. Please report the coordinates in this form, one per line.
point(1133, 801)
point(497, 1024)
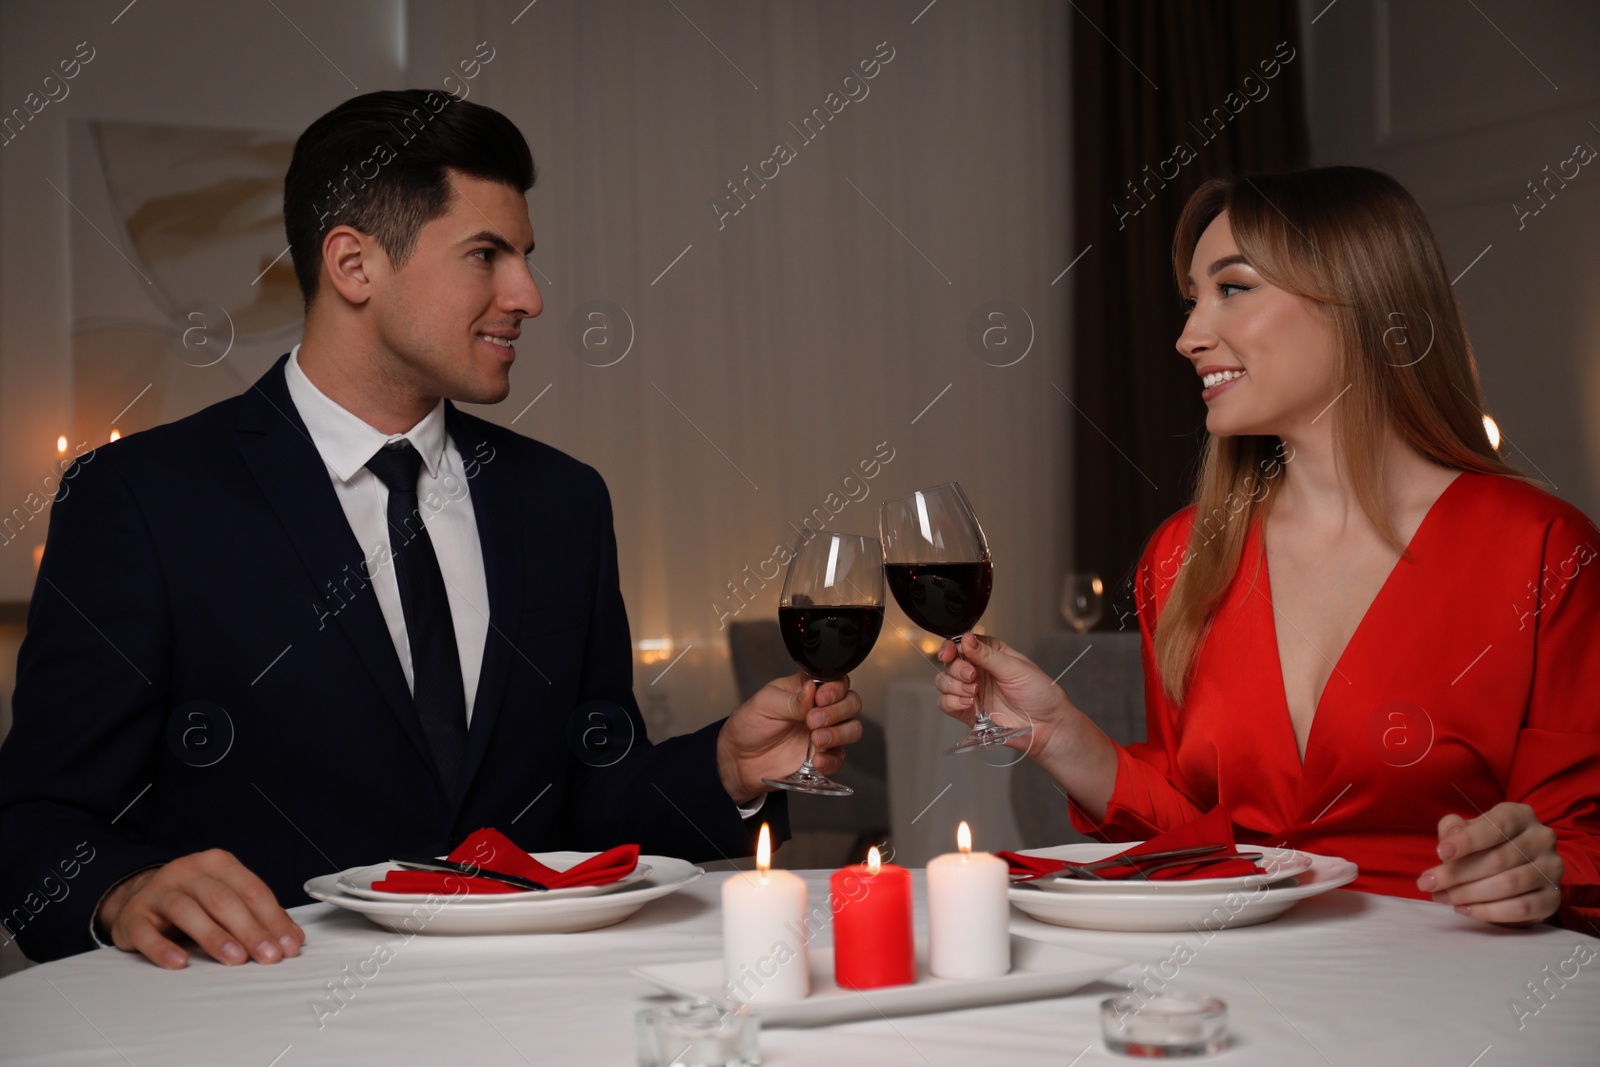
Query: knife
point(451, 867)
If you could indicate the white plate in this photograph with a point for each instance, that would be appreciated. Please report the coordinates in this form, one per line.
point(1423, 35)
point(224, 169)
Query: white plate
point(1037, 970)
point(1279, 863)
point(1184, 911)
point(357, 882)
point(444, 915)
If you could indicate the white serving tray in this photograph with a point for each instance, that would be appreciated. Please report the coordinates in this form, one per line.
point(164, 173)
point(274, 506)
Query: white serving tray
point(1038, 970)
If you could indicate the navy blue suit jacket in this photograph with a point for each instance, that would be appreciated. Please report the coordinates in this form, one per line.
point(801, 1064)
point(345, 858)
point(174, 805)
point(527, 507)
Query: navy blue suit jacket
point(206, 666)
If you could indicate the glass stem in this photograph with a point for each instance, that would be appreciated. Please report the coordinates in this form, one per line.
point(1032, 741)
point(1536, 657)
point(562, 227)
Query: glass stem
point(983, 722)
point(806, 767)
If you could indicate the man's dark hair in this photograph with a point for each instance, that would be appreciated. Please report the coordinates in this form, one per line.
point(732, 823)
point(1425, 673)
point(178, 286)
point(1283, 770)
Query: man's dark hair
point(377, 162)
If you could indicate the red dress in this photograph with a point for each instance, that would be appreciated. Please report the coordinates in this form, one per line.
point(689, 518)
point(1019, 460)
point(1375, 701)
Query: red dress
point(1473, 678)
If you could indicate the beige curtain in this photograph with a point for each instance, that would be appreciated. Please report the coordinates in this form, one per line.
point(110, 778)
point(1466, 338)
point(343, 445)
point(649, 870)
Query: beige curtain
point(731, 371)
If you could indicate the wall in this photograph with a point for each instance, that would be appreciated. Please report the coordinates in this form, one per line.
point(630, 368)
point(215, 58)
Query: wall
point(811, 319)
point(791, 340)
point(1466, 104)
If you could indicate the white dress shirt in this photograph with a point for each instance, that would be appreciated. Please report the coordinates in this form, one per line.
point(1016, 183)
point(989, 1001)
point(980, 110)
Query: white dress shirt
point(345, 444)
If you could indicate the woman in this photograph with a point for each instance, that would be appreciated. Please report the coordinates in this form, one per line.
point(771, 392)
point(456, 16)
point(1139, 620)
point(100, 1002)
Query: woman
point(1369, 636)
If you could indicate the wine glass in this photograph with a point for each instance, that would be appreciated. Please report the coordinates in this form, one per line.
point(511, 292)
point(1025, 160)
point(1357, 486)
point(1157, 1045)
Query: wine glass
point(937, 563)
point(1083, 600)
point(830, 614)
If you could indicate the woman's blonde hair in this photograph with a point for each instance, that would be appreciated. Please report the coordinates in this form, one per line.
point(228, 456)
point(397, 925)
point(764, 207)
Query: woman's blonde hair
point(1355, 242)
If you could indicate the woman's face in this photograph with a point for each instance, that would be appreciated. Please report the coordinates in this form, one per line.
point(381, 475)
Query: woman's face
point(1269, 353)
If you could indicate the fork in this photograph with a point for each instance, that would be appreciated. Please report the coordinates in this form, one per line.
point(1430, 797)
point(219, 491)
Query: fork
point(1123, 861)
point(425, 863)
point(1142, 872)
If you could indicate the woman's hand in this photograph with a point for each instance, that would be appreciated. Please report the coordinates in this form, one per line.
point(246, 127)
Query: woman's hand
point(1007, 682)
point(1501, 867)
point(1014, 690)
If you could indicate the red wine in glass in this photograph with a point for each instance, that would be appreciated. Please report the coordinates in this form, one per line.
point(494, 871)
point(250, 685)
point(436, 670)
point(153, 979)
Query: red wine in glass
point(829, 642)
point(830, 615)
point(943, 598)
point(936, 561)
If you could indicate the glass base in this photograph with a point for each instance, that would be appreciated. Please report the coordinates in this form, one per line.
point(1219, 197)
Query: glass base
point(987, 737)
point(803, 781)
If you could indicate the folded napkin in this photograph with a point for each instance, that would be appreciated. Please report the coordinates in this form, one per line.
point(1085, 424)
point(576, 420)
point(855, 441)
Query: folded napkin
point(1214, 827)
point(493, 851)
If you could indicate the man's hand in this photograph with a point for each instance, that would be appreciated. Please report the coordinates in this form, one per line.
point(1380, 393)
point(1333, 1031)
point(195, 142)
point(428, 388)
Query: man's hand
point(1501, 867)
point(211, 897)
point(766, 736)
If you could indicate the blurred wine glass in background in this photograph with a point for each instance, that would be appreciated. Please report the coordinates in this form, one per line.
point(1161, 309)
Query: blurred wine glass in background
point(1083, 600)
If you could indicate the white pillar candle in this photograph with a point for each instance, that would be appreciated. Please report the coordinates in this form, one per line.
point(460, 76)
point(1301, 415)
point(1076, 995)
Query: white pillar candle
point(969, 913)
point(763, 933)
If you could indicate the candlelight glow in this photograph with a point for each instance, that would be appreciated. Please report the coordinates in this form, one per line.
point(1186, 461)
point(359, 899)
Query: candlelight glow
point(964, 837)
point(1097, 585)
point(874, 861)
point(764, 850)
point(1493, 431)
point(655, 649)
point(61, 443)
point(116, 434)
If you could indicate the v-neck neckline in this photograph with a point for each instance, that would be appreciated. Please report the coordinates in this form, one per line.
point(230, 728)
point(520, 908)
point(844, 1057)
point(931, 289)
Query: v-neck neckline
point(1361, 625)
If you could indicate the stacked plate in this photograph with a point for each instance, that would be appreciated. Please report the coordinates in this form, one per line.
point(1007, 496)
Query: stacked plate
point(1287, 877)
point(555, 911)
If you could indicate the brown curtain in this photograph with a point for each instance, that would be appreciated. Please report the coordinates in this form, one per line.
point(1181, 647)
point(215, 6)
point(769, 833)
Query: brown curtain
point(1165, 95)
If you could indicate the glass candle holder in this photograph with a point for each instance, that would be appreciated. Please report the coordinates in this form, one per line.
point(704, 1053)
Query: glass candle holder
point(1164, 1026)
point(698, 1033)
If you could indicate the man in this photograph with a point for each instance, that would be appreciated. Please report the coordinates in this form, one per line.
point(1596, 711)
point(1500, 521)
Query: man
point(335, 619)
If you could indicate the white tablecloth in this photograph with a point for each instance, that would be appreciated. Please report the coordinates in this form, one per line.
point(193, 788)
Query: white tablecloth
point(1344, 979)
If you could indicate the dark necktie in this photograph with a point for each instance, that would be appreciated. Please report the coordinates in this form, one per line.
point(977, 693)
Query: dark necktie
point(436, 684)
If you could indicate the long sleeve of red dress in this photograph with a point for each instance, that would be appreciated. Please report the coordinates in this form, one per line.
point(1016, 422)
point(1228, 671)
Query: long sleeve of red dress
point(1474, 678)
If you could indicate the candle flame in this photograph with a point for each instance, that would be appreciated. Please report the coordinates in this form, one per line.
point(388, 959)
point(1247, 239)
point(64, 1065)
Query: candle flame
point(874, 861)
point(964, 837)
point(764, 850)
point(116, 434)
point(61, 443)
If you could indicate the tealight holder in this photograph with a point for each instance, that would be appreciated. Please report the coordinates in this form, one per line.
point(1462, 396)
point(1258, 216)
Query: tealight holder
point(1167, 1026)
point(698, 1033)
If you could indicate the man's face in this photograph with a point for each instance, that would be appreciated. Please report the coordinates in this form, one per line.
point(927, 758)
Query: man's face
point(467, 277)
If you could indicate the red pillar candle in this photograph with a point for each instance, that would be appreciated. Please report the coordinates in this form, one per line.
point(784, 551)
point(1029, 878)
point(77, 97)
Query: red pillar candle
point(872, 941)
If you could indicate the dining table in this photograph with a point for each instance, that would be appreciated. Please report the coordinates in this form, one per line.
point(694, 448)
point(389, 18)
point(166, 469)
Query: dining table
point(1346, 978)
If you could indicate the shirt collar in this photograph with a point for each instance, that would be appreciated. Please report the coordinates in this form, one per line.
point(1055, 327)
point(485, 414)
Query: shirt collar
point(344, 441)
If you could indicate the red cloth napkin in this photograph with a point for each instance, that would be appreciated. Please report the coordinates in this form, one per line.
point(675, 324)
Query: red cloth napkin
point(493, 851)
point(1214, 827)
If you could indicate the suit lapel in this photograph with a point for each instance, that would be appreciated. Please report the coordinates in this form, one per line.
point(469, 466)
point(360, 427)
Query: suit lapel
point(497, 509)
point(286, 465)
